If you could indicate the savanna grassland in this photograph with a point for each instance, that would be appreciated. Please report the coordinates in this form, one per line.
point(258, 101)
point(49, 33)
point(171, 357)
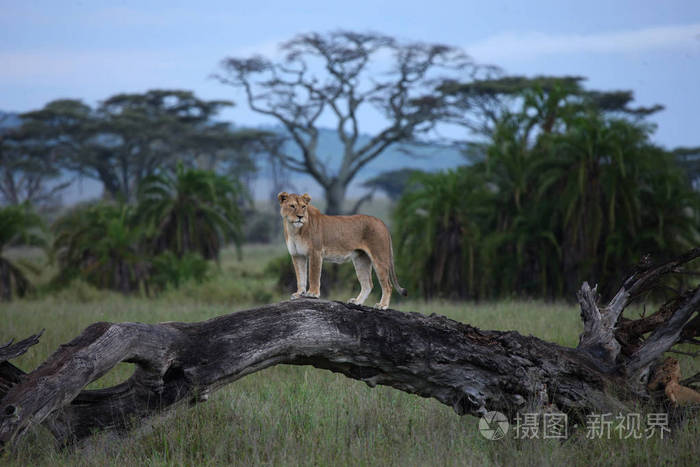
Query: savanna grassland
point(300, 415)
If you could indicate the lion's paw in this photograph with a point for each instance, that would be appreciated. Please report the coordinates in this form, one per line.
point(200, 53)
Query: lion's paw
point(297, 295)
point(311, 295)
point(379, 306)
point(352, 301)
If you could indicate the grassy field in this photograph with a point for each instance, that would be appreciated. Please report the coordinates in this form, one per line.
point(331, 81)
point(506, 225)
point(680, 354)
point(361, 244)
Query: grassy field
point(300, 415)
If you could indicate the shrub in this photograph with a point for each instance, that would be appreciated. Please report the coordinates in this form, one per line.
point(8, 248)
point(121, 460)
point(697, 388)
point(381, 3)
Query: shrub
point(169, 270)
point(18, 225)
point(190, 211)
point(101, 244)
point(581, 198)
point(334, 277)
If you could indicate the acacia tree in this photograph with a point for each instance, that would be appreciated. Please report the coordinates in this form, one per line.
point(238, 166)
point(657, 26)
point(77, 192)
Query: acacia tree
point(480, 105)
point(340, 76)
point(18, 224)
point(129, 136)
point(68, 130)
point(27, 175)
point(29, 171)
point(392, 182)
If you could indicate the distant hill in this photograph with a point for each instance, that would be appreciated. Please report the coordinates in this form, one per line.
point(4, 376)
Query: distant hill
point(9, 119)
point(427, 157)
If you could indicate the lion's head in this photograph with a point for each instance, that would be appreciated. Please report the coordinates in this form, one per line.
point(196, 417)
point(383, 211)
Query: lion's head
point(294, 208)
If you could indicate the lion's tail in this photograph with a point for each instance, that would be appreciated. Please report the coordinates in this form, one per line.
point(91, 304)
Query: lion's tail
point(392, 272)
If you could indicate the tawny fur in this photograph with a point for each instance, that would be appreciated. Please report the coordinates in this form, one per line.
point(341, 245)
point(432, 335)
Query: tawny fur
point(312, 237)
point(667, 376)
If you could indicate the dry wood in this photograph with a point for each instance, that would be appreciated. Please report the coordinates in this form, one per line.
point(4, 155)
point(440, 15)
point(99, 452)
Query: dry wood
point(470, 370)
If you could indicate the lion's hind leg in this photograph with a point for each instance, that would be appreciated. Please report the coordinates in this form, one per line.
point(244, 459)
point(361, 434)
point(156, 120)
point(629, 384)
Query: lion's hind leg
point(383, 276)
point(363, 269)
point(381, 268)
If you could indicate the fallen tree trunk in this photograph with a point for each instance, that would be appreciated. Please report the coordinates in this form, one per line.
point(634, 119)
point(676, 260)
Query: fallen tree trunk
point(471, 370)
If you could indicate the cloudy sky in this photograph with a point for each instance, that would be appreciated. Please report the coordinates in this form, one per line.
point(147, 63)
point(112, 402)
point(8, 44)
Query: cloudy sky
point(92, 49)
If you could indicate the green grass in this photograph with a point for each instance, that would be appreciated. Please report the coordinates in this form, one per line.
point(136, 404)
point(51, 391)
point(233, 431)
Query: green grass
point(300, 415)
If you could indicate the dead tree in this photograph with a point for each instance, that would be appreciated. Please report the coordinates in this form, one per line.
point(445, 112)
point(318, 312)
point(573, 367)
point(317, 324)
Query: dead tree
point(471, 370)
point(338, 77)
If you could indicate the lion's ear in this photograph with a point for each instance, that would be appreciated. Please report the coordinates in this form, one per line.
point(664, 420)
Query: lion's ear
point(306, 197)
point(282, 196)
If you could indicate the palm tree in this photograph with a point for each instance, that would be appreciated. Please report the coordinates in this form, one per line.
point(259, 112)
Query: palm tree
point(191, 211)
point(618, 197)
point(521, 228)
point(169, 270)
point(102, 244)
point(18, 224)
point(564, 192)
point(438, 226)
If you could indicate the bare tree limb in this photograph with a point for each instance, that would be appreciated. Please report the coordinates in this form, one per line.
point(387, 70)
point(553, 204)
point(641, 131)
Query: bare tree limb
point(367, 197)
point(605, 334)
point(339, 75)
point(663, 337)
point(471, 370)
point(12, 350)
point(10, 375)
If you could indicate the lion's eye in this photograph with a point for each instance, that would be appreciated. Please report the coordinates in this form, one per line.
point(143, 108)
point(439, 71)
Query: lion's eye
point(292, 206)
point(304, 207)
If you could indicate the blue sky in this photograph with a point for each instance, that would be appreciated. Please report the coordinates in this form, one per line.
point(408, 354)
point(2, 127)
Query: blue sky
point(93, 49)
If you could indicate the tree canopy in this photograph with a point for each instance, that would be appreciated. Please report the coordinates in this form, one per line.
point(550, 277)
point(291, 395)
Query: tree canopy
point(130, 136)
point(191, 211)
point(180, 220)
point(28, 172)
point(564, 191)
point(18, 225)
point(480, 104)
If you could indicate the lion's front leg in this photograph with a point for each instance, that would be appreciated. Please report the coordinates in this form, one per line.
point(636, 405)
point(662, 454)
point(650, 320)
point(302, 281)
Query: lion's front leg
point(300, 271)
point(315, 263)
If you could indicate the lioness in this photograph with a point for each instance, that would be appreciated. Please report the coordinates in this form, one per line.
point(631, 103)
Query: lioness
point(312, 237)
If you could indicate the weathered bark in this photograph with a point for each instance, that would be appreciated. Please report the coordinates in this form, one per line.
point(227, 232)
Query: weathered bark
point(10, 375)
point(619, 343)
point(459, 365)
point(471, 370)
